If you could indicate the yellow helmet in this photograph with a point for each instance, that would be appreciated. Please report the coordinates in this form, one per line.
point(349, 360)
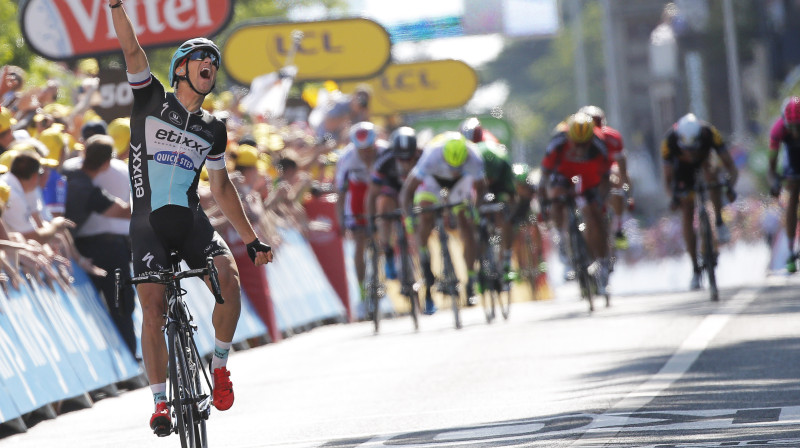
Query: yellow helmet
point(53, 139)
point(455, 151)
point(580, 127)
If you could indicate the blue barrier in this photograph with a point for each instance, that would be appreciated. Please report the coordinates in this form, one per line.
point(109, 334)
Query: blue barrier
point(299, 288)
point(106, 341)
point(201, 305)
point(56, 344)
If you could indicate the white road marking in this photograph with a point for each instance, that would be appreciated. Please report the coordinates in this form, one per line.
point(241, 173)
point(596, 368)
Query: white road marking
point(676, 366)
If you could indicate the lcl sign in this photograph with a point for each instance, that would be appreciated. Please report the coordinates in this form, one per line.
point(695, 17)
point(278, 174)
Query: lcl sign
point(329, 49)
point(70, 29)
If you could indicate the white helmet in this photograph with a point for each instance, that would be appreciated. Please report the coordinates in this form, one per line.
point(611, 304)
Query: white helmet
point(687, 130)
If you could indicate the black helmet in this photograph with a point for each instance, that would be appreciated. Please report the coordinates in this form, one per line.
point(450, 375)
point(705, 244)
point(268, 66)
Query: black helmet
point(403, 142)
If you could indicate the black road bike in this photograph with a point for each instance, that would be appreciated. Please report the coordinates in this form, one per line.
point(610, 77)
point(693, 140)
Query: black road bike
point(447, 283)
point(495, 290)
point(374, 285)
point(578, 250)
point(408, 284)
point(189, 396)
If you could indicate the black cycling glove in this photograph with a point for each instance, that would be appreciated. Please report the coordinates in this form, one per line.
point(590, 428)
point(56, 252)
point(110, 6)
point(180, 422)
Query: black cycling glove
point(255, 247)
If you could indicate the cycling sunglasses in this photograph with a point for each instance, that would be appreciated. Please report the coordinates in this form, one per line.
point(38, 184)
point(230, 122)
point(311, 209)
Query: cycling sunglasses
point(200, 55)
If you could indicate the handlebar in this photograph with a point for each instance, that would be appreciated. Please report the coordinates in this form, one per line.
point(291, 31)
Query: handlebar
point(490, 209)
point(167, 277)
point(435, 208)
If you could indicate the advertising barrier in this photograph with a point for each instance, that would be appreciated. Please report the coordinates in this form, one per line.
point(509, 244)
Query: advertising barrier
point(57, 342)
point(301, 293)
point(255, 287)
point(326, 242)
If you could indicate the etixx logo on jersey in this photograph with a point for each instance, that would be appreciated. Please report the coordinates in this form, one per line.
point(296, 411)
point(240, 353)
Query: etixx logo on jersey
point(174, 158)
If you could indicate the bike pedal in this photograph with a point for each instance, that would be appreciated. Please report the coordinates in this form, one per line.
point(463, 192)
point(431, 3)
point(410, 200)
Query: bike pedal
point(162, 431)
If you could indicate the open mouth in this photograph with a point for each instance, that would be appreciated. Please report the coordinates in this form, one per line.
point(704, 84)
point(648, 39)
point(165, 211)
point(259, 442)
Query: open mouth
point(205, 73)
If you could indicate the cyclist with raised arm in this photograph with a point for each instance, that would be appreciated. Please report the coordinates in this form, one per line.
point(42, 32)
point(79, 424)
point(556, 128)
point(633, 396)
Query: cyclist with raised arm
point(620, 183)
point(388, 174)
point(352, 182)
point(786, 131)
point(576, 162)
point(172, 138)
point(449, 162)
point(687, 147)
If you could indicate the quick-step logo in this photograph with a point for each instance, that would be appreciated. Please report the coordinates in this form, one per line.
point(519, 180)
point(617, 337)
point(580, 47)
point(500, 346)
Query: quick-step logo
point(174, 158)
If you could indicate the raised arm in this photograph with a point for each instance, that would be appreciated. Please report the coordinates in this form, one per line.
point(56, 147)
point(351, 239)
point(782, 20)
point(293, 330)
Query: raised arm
point(135, 57)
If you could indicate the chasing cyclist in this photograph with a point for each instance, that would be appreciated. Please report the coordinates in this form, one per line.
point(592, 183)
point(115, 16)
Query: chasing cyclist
point(352, 181)
point(172, 137)
point(388, 174)
point(786, 130)
point(500, 188)
point(530, 258)
point(686, 147)
point(576, 160)
point(620, 192)
point(449, 162)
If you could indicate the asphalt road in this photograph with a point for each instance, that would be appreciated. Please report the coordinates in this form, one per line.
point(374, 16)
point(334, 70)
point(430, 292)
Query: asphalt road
point(656, 370)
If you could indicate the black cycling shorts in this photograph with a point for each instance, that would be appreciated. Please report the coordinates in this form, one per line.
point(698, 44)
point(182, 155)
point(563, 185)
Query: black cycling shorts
point(173, 227)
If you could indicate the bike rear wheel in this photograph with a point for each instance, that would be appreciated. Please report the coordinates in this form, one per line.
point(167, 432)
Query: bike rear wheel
point(185, 383)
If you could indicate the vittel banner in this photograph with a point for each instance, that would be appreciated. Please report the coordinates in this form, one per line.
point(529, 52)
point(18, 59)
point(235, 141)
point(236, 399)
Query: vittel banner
point(71, 29)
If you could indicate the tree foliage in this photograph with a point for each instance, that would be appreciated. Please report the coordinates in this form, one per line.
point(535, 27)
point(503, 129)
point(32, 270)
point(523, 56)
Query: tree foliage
point(541, 75)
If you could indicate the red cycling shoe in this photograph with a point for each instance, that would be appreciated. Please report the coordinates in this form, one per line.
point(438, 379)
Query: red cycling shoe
point(160, 422)
point(223, 389)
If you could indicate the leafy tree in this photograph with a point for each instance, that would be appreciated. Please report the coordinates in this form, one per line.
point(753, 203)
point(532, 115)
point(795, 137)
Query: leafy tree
point(541, 75)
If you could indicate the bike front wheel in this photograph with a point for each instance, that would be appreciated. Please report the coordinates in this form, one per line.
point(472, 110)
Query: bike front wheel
point(185, 382)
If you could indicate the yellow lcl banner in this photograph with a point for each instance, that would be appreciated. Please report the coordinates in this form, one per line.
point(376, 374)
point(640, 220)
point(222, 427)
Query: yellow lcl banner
point(420, 86)
point(339, 49)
